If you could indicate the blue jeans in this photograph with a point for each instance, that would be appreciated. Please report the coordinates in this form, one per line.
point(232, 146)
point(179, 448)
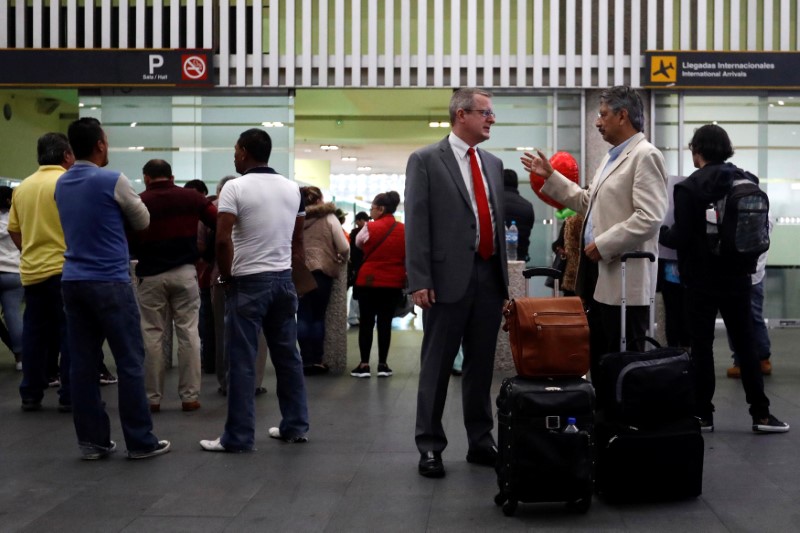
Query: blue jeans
point(266, 300)
point(98, 311)
point(11, 293)
point(761, 341)
point(311, 320)
point(44, 335)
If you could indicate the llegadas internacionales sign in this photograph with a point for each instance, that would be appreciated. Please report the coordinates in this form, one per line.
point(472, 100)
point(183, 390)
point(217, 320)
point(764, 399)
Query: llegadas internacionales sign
point(721, 70)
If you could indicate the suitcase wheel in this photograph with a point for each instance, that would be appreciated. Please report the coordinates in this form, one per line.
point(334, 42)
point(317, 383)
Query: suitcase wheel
point(500, 499)
point(510, 507)
point(582, 505)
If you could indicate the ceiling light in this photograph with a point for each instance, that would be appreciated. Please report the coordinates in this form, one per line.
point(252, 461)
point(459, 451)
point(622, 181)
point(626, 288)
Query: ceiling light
point(364, 169)
point(524, 148)
point(434, 124)
point(272, 124)
point(329, 147)
point(780, 102)
point(133, 124)
point(349, 158)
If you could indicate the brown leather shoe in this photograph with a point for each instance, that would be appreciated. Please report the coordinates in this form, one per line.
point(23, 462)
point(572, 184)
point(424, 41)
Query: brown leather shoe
point(766, 367)
point(734, 372)
point(190, 406)
point(155, 407)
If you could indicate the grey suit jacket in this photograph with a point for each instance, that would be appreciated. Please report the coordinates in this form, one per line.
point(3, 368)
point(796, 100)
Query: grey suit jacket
point(440, 223)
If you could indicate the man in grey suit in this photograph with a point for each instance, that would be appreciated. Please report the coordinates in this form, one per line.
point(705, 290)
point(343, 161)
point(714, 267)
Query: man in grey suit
point(457, 273)
point(624, 206)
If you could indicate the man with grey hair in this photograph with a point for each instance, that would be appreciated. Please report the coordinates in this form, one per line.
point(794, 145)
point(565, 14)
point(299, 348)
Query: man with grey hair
point(457, 273)
point(623, 206)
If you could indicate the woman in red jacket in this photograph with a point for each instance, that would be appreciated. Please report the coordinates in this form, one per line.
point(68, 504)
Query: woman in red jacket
point(380, 281)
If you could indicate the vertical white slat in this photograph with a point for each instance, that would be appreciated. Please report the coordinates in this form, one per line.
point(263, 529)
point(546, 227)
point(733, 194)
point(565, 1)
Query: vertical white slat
point(305, 39)
point(472, 43)
point(522, 45)
point(240, 58)
point(752, 13)
point(322, 53)
point(274, 54)
point(122, 32)
point(191, 23)
point(455, 43)
point(258, 43)
point(208, 24)
point(652, 24)
point(488, 44)
point(785, 26)
point(175, 24)
point(224, 44)
point(55, 23)
point(702, 24)
point(290, 60)
point(569, 54)
point(636, 34)
point(438, 44)
point(338, 45)
point(158, 23)
point(736, 29)
point(586, 43)
point(619, 40)
point(505, 43)
point(141, 5)
point(686, 25)
point(668, 23)
point(422, 43)
point(72, 23)
point(405, 43)
point(36, 13)
point(372, 43)
point(3, 25)
point(555, 16)
point(19, 21)
point(88, 24)
point(719, 24)
point(602, 43)
point(355, 35)
point(388, 43)
point(105, 24)
point(768, 22)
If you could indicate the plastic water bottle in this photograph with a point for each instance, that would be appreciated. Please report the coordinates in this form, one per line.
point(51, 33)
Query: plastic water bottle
point(512, 238)
point(571, 427)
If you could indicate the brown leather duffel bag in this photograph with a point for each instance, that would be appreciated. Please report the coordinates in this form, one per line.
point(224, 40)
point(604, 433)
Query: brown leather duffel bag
point(549, 337)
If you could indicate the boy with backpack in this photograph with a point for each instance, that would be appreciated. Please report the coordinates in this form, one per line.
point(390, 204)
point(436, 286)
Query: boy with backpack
point(718, 233)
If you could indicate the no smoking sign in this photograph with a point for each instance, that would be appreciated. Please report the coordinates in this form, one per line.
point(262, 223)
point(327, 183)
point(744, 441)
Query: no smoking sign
point(194, 67)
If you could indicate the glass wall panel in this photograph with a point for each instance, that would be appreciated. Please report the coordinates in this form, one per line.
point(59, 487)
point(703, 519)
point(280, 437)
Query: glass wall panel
point(196, 134)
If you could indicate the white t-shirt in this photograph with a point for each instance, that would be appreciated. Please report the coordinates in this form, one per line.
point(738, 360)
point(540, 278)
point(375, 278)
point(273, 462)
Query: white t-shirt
point(266, 206)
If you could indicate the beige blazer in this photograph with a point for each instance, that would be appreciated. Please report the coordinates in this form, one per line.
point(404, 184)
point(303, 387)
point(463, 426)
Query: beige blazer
point(627, 209)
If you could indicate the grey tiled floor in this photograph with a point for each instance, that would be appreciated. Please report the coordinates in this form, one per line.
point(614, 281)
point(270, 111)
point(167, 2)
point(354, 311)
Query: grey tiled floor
point(358, 473)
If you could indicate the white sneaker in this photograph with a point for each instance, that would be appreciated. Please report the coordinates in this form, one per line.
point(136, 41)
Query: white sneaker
point(275, 433)
point(212, 445)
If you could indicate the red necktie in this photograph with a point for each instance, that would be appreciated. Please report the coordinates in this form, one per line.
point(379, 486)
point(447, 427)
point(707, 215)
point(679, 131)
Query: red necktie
point(486, 240)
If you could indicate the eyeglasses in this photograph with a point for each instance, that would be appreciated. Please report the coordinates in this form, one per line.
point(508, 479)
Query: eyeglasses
point(485, 113)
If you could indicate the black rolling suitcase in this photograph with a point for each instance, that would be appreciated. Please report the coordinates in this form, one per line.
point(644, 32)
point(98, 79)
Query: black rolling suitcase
point(537, 460)
point(649, 445)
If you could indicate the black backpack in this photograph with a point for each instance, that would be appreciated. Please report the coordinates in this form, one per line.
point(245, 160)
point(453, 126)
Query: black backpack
point(737, 225)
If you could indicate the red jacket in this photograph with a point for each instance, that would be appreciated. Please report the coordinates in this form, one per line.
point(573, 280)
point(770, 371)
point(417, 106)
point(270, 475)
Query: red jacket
point(384, 258)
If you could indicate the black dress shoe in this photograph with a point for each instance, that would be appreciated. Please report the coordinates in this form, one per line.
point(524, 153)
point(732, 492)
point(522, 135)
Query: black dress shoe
point(483, 456)
point(430, 464)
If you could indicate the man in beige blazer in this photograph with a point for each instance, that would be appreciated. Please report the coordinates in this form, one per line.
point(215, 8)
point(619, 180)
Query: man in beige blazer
point(624, 206)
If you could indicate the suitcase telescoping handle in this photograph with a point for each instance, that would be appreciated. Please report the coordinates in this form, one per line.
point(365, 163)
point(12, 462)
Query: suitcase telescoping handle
point(536, 272)
point(623, 343)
